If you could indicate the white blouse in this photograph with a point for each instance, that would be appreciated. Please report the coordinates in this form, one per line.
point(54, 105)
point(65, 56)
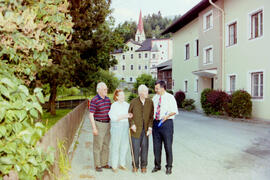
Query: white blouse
point(118, 109)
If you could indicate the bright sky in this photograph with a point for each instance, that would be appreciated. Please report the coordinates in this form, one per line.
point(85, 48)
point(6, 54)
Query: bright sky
point(130, 9)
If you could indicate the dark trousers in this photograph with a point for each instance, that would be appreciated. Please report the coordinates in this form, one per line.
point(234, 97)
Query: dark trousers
point(140, 150)
point(163, 134)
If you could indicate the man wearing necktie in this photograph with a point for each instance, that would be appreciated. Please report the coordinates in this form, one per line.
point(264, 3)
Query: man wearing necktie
point(165, 109)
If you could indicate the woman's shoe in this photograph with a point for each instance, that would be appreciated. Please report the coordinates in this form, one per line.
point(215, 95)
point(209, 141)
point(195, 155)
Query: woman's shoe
point(123, 168)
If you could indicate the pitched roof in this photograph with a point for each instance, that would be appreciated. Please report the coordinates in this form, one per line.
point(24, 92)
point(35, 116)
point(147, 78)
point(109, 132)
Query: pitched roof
point(165, 64)
point(187, 17)
point(116, 51)
point(134, 42)
point(146, 45)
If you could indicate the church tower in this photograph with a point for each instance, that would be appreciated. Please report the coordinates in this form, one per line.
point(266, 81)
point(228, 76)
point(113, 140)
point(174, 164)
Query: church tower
point(140, 36)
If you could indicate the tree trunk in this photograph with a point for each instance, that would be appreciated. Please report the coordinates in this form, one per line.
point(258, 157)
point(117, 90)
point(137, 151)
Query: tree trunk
point(53, 91)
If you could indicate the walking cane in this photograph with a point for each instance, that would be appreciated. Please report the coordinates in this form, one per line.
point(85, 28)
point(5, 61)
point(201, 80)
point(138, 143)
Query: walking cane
point(131, 148)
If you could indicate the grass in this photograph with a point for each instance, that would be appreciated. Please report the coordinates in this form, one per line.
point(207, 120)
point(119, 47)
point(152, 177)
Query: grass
point(49, 120)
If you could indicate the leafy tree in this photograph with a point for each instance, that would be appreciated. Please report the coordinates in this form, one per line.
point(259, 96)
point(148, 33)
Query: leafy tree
point(28, 31)
point(88, 51)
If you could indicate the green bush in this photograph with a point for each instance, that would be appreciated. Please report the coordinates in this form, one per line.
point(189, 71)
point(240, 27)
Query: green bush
point(180, 97)
point(240, 105)
point(188, 104)
point(147, 80)
point(170, 91)
point(132, 96)
point(206, 106)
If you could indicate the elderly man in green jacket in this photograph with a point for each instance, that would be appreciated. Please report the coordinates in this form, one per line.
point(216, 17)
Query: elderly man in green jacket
point(141, 123)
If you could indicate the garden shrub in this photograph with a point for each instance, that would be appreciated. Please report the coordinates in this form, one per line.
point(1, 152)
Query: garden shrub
point(132, 96)
point(170, 91)
point(188, 104)
point(180, 97)
point(240, 105)
point(218, 101)
point(206, 105)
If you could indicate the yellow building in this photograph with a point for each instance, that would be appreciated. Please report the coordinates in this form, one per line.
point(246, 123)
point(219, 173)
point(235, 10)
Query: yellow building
point(222, 44)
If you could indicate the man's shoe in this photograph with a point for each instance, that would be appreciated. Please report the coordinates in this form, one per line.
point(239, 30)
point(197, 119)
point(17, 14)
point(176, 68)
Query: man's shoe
point(107, 167)
point(134, 170)
point(143, 170)
point(98, 169)
point(156, 169)
point(114, 170)
point(169, 171)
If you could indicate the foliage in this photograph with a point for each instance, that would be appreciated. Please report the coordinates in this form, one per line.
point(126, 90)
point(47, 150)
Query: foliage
point(93, 39)
point(218, 100)
point(180, 97)
point(108, 78)
point(153, 26)
point(188, 104)
point(63, 91)
point(170, 91)
point(147, 80)
point(206, 106)
point(18, 132)
point(63, 162)
point(28, 31)
point(132, 96)
point(240, 105)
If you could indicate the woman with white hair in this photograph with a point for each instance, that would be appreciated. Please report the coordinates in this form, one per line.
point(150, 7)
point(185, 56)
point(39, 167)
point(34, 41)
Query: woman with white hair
point(119, 130)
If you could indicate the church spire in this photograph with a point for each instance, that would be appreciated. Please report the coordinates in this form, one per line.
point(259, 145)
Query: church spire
point(140, 36)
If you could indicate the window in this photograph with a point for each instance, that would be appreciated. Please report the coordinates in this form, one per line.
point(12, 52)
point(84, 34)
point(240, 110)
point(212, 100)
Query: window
point(131, 67)
point(153, 56)
point(186, 86)
point(131, 56)
point(232, 34)
point(208, 21)
point(123, 79)
point(256, 24)
point(196, 85)
point(232, 83)
point(123, 57)
point(208, 55)
point(130, 79)
point(123, 67)
point(196, 48)
point(257, 85)
point(139, 67)
point(131, 48)
point(145, 67)
point(160, 46)
point(145, 55)
point(187, 53)
point(114, 68)
point(140, 56)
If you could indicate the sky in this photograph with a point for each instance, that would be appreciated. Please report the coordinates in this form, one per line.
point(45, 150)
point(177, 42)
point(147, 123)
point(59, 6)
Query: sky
point(130, 9)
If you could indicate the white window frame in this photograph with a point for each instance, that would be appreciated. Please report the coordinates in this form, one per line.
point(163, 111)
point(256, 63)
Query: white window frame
point(131, 56)
point(228, 84)
point(185, 51)
point(249, 89)
point(123, 57)
point(228, 33)
point(139, 67)
point(196, 85)
point(211, 55)
point(250, 23)
point(130, 79)
point(131, 67)
point(211, 20)
point(139, 55)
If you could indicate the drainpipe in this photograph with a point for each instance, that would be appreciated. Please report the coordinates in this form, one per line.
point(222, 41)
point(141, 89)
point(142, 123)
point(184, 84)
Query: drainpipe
point(223, 44)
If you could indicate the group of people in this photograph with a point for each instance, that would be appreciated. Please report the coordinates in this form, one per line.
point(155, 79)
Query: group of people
point(118, 125)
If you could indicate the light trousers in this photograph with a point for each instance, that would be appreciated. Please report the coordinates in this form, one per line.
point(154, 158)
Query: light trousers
point(119, 143)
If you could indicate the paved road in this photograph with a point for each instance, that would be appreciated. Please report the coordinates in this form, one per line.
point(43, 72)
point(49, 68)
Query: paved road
point(204, 149)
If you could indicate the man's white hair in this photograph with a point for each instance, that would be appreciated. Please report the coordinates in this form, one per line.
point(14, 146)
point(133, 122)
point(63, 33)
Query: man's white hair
point(142, 87)
point(100, 85)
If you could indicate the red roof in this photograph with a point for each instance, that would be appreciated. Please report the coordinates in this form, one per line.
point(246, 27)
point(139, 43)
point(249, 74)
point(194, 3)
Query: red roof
point(140, 24)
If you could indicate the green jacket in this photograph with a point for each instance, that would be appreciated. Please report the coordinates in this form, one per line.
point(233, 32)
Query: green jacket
point(142, 115)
